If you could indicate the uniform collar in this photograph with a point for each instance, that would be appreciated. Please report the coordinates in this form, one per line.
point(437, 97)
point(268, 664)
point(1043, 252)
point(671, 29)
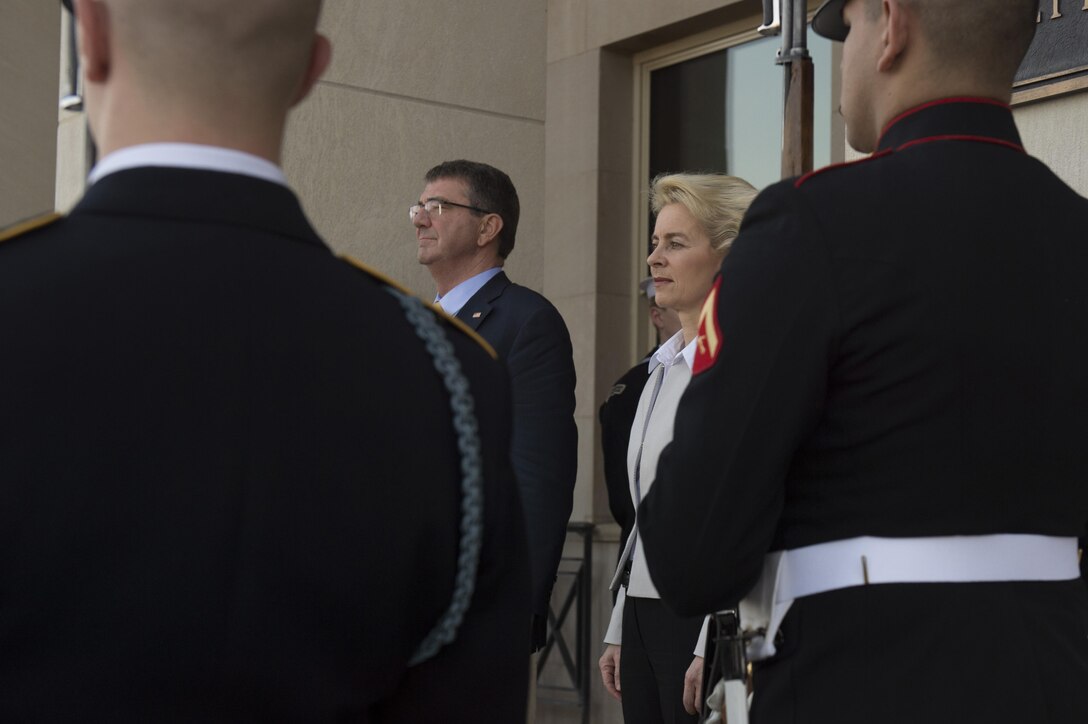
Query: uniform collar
point(193, 195)
point(965, 119)
point(187, 155)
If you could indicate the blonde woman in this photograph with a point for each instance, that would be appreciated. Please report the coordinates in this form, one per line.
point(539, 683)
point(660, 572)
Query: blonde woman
point(697, 218)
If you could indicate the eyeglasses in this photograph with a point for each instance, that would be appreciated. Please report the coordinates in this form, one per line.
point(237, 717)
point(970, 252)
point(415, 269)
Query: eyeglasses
point(432, 205)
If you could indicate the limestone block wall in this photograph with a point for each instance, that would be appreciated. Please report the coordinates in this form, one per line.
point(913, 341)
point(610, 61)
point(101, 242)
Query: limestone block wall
point(1054, 131)
point(29, 68)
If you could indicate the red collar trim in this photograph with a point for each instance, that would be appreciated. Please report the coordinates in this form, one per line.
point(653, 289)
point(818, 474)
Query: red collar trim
point(964, 137)
point(844, 164)
point(908, 144)
point(940, 102)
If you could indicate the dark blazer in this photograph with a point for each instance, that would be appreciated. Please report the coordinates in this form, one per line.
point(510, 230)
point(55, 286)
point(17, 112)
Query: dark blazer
point(616, 415)
point(216, 502)
point(530, 336)
point(901, 352)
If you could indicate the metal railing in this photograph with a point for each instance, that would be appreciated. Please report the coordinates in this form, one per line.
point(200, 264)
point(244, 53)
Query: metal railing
point(570, 600)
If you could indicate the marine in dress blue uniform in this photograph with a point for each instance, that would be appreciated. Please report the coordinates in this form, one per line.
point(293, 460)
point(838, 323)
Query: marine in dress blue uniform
point(895, 350)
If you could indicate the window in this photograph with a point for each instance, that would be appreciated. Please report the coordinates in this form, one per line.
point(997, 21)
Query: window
point(722, 111)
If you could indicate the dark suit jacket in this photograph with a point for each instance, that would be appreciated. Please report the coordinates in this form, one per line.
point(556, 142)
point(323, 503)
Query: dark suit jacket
point(530, 336)
point(229, 489)
point(903, 346)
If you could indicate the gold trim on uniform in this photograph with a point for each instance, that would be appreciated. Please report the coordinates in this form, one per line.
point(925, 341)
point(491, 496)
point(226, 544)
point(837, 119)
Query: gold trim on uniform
point(23, 227)
point(439, 312)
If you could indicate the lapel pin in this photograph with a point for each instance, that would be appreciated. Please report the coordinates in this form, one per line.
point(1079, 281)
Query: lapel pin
point(475, 315)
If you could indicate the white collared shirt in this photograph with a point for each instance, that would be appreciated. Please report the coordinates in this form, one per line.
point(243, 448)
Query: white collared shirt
point(454, 299)
point(671, 352)
point(671, 363)
point(187, 155)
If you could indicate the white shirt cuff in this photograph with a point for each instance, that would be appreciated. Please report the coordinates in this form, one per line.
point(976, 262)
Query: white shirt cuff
point(614, 635)
point(700, 645)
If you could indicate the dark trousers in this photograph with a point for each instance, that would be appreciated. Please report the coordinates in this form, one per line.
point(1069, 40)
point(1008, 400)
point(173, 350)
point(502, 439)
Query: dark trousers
point(938, 653)
point(656, 653)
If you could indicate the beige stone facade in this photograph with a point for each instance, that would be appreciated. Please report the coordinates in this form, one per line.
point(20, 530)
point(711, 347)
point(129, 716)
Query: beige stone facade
point(548, 90)
point(29, 69)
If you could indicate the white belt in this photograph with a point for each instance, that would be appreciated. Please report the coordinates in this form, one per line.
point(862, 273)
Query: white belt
point(792, 574)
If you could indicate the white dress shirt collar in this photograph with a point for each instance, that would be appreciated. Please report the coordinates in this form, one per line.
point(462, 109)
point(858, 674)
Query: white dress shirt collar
point(188, 155)
point(454, 299)
point(672, 351)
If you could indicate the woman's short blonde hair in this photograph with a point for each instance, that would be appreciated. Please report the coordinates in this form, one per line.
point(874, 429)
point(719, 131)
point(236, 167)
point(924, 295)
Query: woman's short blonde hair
point(717, 202)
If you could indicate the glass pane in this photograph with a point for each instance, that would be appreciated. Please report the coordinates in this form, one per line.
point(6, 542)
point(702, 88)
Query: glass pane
point(723, 112)
point(687, 113)
point(754, 101)
point(753, 112)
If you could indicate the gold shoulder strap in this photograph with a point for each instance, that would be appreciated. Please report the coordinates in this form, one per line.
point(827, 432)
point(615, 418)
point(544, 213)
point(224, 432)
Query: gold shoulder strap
point(439, 312)
point(23, 227)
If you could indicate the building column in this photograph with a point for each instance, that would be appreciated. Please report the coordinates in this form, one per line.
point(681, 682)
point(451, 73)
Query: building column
point(29, 72)
point(589, 274)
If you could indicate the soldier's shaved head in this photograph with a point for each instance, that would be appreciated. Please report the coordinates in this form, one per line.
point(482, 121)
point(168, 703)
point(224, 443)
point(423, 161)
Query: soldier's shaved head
point(898, 54)
point(202, 71)
point(208, 49)
point(988, 37)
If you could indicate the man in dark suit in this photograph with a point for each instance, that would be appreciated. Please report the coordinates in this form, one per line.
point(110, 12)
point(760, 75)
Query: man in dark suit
point(890, 398)
point(219, 501)
point(466, 221)
point(617, 413)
